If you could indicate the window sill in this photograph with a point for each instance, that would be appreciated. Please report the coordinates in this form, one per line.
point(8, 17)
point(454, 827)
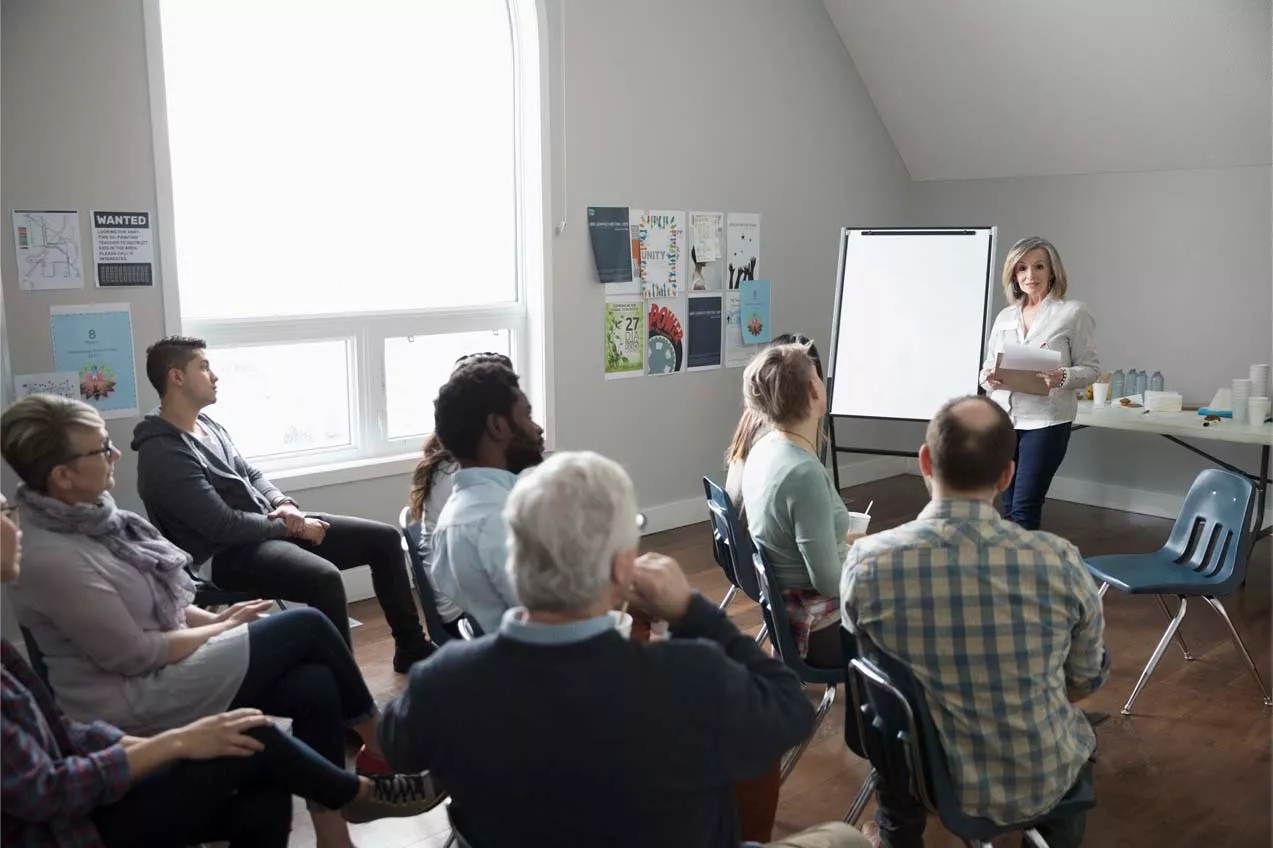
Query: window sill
point(335, 473)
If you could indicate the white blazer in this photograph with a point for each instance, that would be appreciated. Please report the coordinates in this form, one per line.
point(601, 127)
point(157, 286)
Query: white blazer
point(1064, 326)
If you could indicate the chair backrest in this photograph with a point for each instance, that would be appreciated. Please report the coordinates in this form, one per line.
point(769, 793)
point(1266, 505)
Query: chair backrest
point(774, 609)
point(728, 542)
point(1211, 534)
point(413, 542)
point(36, 657)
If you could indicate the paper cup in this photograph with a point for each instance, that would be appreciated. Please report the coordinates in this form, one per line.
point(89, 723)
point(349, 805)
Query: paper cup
point(858, 522)
point(622, 623)
point(1258, 410)
point(1100, 393)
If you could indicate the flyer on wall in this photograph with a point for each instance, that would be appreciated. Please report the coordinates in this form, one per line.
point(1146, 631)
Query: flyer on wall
point(96, 342)
point(47, 245)
point(707, 234)
point(662, 245)
point(703, 349)
point(625, 338)
point(665, 352)
point(737, 354)
point(755, 319)
point(123, 249)
point(744, 247)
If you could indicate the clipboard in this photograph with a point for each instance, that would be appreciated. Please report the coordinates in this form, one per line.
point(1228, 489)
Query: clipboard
point(1014, 380)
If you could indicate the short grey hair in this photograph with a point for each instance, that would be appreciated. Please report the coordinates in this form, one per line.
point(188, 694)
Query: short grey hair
point(35, 434)
point(567, 521)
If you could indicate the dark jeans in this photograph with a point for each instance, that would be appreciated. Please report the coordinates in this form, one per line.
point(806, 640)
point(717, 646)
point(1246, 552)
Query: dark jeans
point(296, 570)
point(825, 648)
point(1039, 455)
point(902, 818)
point(299, 668)
point(246, 800)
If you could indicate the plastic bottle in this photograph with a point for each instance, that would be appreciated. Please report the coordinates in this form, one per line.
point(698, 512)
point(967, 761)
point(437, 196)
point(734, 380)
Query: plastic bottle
point(1156, 382)
point(1142, 382)
point(1116, 385)
point(1129, 387)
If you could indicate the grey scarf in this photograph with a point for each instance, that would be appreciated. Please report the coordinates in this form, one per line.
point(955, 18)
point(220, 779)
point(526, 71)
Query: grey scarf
point(128, 537)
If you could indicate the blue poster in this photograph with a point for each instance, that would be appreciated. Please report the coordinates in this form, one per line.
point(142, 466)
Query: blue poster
point(754, 312)
point(96, 342)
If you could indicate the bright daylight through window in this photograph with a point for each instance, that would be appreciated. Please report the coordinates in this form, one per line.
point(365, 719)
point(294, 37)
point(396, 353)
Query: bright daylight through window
point(348, 209)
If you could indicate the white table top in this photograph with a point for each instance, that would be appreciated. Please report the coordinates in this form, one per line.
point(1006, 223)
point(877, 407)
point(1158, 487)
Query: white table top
point(1184, 424)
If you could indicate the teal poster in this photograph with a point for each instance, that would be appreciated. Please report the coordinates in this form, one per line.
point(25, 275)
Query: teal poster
point(96, 343)
point(754, 312)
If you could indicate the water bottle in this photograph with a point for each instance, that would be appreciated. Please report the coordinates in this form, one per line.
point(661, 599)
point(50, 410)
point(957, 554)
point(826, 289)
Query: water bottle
point(1142, 382)
point(1116, 385)
point(1156, 382)
point(1129, 387)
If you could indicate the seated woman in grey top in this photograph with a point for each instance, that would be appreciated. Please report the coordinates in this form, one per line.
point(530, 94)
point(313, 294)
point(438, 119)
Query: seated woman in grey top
point(794, 511)
point(108, 601)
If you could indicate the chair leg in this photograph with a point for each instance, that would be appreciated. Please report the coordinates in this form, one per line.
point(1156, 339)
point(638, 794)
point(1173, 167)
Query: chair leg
point(863, 798)
point(1162, 602)
point(729, 596)
point(1153, 661)
point(1036, 839)
point(793, 756)
point(1241, 646)
point(1101, 592)
point(761, 636)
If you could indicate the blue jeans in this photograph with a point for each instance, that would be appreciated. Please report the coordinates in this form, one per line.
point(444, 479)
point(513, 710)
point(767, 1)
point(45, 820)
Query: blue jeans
point(300, 668)
point(1039, 455)
point(245, 800)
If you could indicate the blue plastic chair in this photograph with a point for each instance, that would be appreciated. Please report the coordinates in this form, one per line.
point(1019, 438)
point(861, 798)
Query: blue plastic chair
point(779, 625)
point(412, 543)
point(731, 547)
point(896, 730)
point(1205, 556)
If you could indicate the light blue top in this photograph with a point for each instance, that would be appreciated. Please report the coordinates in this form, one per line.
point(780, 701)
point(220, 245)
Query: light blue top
point(515, 626)
point(470, 547)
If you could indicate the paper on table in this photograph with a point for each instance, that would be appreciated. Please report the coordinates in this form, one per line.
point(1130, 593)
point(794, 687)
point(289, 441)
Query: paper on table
point(1025, 358)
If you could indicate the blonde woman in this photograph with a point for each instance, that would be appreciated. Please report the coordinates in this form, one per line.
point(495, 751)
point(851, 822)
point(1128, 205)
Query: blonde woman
point(1039, 315)
point(794, 511)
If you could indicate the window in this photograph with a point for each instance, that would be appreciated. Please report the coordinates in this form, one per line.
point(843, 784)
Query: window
point(355, 203)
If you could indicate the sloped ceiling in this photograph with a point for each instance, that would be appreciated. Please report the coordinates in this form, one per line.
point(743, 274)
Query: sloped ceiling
point(975, 89)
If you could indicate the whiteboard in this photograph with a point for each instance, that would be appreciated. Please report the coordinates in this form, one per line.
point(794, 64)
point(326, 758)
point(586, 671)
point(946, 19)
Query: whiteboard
point(911, 308)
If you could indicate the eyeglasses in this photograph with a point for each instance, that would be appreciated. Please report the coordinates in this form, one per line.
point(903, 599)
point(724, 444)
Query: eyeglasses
point(104, 450)
point(10, 511)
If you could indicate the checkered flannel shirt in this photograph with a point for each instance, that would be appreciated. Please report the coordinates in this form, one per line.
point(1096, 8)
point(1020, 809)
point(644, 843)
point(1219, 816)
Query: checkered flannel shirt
point(996, 622)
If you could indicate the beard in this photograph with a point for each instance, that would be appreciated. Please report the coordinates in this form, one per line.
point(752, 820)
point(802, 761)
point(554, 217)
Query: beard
point(524, 451)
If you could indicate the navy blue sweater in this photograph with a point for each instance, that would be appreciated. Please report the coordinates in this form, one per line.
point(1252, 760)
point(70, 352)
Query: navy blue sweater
point(602, 741)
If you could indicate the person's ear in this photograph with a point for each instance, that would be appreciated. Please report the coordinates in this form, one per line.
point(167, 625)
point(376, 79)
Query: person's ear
point(1005, 477)
point(176, 377)
point(498, 427)
point(59, 478)
point(925, 460)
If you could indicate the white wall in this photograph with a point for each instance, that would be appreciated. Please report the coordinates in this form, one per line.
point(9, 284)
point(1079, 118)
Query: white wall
point(744, 105)
point(1176, 268)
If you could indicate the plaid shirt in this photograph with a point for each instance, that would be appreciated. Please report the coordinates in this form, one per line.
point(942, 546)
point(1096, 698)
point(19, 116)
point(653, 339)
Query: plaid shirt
point(995, 622)
point(808, 611)
point(56, 771)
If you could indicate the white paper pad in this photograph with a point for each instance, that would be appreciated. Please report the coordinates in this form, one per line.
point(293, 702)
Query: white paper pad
point(1025, 358)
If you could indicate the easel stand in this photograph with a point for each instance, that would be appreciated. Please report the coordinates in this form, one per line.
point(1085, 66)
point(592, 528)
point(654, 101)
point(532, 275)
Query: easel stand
point(836, 450)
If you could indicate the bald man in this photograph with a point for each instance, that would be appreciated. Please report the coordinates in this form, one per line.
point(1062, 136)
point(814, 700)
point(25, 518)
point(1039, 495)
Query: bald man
point(1001, 626)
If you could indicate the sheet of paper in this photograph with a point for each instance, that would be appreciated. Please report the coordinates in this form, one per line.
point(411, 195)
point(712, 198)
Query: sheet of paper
point(755, 304)
point(50, 254)
point(96, 342)
point(743, 235)
point(665, 324)
point(611, 248)
point(662, 238)
point(123, 249)
point(633, 284)
point(703, 348)
point(737, 353)
point(62, 383)
point(625, 338)
point(1017, 357)
point(707, 231)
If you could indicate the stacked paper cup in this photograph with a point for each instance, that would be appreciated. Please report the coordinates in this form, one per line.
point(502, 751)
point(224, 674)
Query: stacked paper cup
point(1260, 380)
point(1241, 394)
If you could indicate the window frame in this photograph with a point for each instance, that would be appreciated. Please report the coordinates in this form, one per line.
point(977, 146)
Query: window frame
point(373, 453)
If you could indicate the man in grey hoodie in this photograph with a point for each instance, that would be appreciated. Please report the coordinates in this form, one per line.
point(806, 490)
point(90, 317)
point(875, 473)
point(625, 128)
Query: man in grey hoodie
point(206, 498)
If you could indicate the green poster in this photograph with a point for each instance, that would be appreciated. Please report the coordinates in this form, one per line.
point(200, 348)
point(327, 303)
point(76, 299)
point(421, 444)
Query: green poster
point(625, 338)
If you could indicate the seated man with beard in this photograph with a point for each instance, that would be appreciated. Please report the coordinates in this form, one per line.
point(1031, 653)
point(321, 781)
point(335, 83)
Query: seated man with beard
point(483, 419)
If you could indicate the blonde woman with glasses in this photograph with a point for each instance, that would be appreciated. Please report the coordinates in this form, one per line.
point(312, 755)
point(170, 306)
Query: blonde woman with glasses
point(1039, 315)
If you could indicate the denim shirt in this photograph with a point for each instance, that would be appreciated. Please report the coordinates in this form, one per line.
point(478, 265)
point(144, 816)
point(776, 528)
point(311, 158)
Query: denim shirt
point(470, 550)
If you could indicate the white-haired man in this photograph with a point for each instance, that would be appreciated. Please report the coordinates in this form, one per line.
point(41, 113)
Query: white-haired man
point(557, 731)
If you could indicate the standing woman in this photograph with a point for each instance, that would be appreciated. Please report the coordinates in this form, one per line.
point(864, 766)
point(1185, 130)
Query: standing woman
point(1038, 315)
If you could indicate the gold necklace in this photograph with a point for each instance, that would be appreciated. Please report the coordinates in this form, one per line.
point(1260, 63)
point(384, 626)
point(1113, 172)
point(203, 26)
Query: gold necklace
point(812, 447)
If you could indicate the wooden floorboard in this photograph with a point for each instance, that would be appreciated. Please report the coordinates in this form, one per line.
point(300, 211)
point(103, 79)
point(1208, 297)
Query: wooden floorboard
point(1191, 768)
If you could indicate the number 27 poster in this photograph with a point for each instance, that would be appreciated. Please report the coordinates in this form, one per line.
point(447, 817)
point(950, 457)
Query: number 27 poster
point(96, 343)
point(625, 338)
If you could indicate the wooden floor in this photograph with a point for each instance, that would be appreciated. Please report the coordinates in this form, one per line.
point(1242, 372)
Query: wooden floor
point(1190, 769)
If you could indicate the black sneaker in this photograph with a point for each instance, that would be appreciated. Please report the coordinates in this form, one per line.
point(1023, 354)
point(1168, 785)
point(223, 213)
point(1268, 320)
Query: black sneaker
point(408, 654)
point(395, 796)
